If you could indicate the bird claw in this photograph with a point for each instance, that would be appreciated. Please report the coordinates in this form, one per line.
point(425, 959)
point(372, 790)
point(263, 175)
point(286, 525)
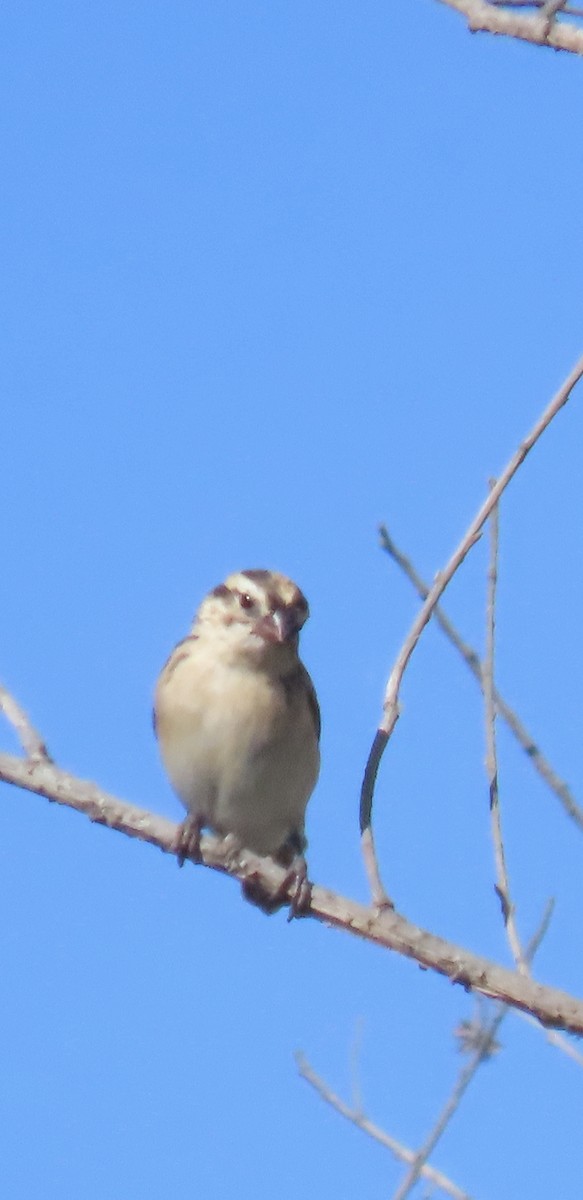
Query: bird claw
point(188, 840)
point(301, 897)
point(187, 845)
point(271, 901)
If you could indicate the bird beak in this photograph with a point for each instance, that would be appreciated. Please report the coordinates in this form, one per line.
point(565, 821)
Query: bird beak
point(278, 627)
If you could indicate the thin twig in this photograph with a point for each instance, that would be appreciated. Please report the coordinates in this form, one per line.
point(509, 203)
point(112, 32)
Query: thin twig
point(391, 700)
point(472, 660)
point(556, 1039)
point(485, 1040)
point(483, 1045)
point(380, 897)
point(464, 1079)
point(356, 1117)
point(30, 740)
point(385, 928)
point(502, 880)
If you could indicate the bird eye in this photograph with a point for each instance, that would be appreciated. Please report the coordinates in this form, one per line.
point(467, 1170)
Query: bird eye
point(245, 600)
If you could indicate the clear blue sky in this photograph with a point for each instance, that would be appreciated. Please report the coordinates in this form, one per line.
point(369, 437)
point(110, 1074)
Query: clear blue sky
point(273, 273)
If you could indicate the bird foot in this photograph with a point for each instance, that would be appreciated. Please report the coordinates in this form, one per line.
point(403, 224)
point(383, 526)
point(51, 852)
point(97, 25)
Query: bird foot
point(269, 902)
point(301, 897)
point(188, 840)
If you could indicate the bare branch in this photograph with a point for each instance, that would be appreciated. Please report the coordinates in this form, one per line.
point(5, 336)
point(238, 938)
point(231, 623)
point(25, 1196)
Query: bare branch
point(570, 10)
point(484, 1044)
point(502, 880)
point(356, 1117)
point(548, 8)
point(472, 659)
point(556, 1039)
point(390, 706)
point(30, 740)
point(482, 1051)
point(386, 928)
point(483, 17)
point(391, 700)
point(380, 897)
point(549, 13)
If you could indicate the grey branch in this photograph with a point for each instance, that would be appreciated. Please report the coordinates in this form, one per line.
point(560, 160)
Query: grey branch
point(391, 708)
point(552, 1007)
point(549, 12)
point(502, 879)
point(483, 1046)
point(570, 10)
point(483, 17)
point(481, 1051)
point(556, 1039)
point(29, 738)
point(356, 1117)
point(472, 660)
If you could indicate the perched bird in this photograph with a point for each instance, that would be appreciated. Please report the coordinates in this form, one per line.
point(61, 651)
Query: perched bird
point(238, 722)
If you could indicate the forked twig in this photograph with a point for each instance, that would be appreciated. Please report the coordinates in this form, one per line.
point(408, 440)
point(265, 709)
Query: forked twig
point(356, 1117)
point(483, 1049)
point(391, 700)
point(484, 1043)
point(29, 738)
point(549, 13)
point(472, 660)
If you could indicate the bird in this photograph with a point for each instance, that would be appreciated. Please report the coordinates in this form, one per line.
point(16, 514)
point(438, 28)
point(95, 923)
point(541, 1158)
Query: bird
point(238, 726)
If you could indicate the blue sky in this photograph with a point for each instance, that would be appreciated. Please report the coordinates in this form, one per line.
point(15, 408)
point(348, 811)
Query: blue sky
point(272, 274)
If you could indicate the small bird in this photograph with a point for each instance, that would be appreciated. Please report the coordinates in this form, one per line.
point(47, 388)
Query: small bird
point(238, 724)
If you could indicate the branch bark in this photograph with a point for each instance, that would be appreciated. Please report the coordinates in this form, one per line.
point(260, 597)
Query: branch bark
point(483, 17)
point(386, 928)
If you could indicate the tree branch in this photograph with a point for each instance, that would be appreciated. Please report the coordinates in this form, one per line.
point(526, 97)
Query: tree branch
point(481, 1044)
point(356, 1117)
point(502, 878)
point(488, 18)
point(570, 10)
point(391, 708)
point(552, 1007)
point(472, 660)
point(30, 739)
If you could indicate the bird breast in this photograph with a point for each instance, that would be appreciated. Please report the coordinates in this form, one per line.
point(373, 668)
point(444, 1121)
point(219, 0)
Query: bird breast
point(239, 748)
